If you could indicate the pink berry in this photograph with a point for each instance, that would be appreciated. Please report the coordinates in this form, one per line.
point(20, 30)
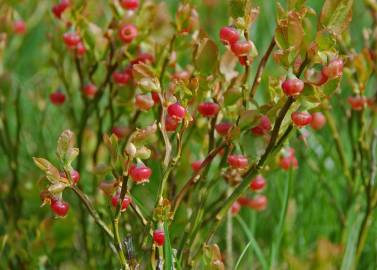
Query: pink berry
point(196, 165)
point(127, 33)
point(144, 102)
point(223, 128)
point(258, 183)
point(140, 174)
point(334, 69)
point(171, 123)
point(241, 48)
point(176, 111)
point(236, 207)
point(292, 87)
point(75, 175)
point(357, 102)
point(57, 98)
point(121, 77)
point(238, 161)
point(58, 9)
point(208, 109)
point(129, 4)
point(126, 201)
point(59, 207)
point(80, 49)
point(181, 75)
point(229, 35)
point(263, 127)
point(159, 237)
point(71, 39)
point(119, 131)
point(259, 203)
point(19, 27)
point(301, 119)
point(89, 90)
point(318, 121)
point(288, 160)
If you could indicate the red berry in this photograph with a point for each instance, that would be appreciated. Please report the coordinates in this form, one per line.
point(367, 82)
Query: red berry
point(59, 207)
point(159, 237)
point(243, 201)
point(223, 128)
point(140, 174)
point(301, 119)
point(127, 33)
point(288, 160)
point(263, 127)
point(176, 111)
point(196, 165)
point(19, 27)
point(89, 90)
point(258, 183)
point(171, 123)
point(238, 161)
point(292, 87)
point(318, 121)
point(129, 4)
point(236, 207)
point(155, 97)
point(243, 60)
point(80, 49)
point(208, 109)
point(71, 39)
point(241, 48)
point(259, 203)
point(57, 98)
point(144, 102)
point(229, 35)
point(143, 58)
point(60, 8)
point(334, 69)
point(357, 102)
point(75, 175)
point(121, 77)
point(120, 132)
point(126, 201)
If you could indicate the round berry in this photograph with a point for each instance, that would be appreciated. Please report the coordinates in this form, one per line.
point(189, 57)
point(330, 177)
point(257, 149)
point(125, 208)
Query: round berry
point(357, 102)
point(243, 201)
point(259, 203)
point(223, 128)
point(121, 77)
point(301, 119)
point(244, 60)
point(58, 9)
point(258, 183)
point(129, 4)
point(176, 111)
point(238, 161)
point(236, 207)
point(89, 90)
point(263, 127)
point(143, 58)
point(196, 165)
point(80, 49)
point(126, 201)
point(334, 69)
point(119, 131)
point(292, 87)
point(144, 102)
point(159, 237)
point(71, 39)
point(229, 35)
point(318, 121)
point(287, 162)
point(57, 98)
point(155, 97)
point(127, 33)
point(171, 123)
point(140, 174)
point(19, 27)
point(75, 176)
point(59, 207)
point(208, 109)
point(241, 48)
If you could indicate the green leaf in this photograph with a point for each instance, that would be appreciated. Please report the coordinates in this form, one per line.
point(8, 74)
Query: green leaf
point(237, 8)
point(336, 15)
point(330, 87)
point(324, 39)
point(206, 58)
point(168, 252)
